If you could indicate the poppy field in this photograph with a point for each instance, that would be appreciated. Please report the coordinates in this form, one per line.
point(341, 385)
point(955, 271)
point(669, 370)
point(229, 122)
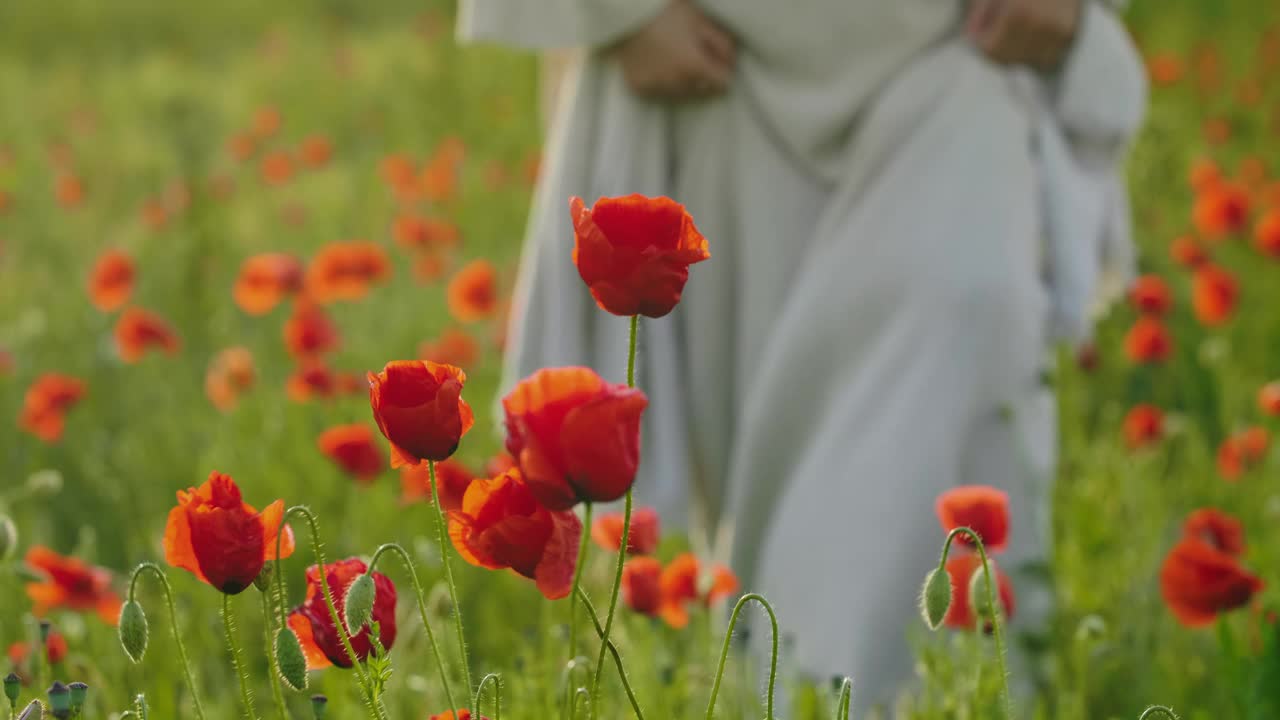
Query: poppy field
point(255, 269)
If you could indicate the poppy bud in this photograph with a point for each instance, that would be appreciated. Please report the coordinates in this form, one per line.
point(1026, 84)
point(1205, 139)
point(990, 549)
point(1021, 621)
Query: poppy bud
point(979, 597)
point(46, 627)
point(12, 687)
point(319, 703)
point(44, 482)
point(79, 693)
point(263, 581)
point(935, 597)
point(359, 602)
point(133, 630)
point(290, 659)
point(33, 711)
point(59, 700)
point(8, 538)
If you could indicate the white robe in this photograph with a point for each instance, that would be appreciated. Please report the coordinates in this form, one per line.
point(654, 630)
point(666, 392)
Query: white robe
point(898, 230)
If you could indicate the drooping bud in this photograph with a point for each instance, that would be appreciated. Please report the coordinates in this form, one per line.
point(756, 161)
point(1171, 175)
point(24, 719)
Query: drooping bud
point(319, 703)
point(59, 700)
point(133, 630)
point(12, 688)
point(79, 693)
point(290, 659)
point(935, 597)
point(979, 597)
point(359, 602)
point(263, 581)
point(34, 711)
point(8, 538)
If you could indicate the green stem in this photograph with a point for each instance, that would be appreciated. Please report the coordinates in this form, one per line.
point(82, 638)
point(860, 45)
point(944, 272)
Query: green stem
point(1167, 712)
point(448, 576)
point(583, 547)
point(268, 645)
point(724, 653)
point(631, 352)
point(580, 697)
point(228, 624)
point(996, 630)
point(497, 695)
point(567, 679)
point(613, 650)
point(613, 598)
point(846, 697)
point(422, 610)
point(173, 625)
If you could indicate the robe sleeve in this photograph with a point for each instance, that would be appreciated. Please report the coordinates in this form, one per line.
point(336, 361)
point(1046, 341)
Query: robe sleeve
point(548, 24)
point(1101, 91)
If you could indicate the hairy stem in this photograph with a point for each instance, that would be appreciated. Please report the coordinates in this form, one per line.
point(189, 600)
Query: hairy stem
point(583, 547)
point(229, 625)
point(448, 576)
point(613, 650)
point(496, 680)
point(846, 697)
point(996, 630)
point(724, 653)
point(268, 645)
point(173, 626)
point(1154, 710)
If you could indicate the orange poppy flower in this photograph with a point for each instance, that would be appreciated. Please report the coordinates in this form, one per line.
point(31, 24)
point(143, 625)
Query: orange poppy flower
point(1221, 210)
point(1214, 293)
point(219, 538)
point(606, 531)
point(46, 403)
point(277, 167)
point(683, 582)
point(1198, 581)
point(230, 373)
point(453, 347)
point(463, 714)
point(346, 270)
point(1204, 175)
point(1252, 172)
point(1150, 294)
point(69, 190)
point(111, 281)
point(311, 379)
point(981, 508)
point(321, 644)
point(1216, 528)
point(138, 331)
point(1266, 235)
point(1143, 426)
point(439, 180)
point(419, 408)
point(55, 650)
point(501, 525)
point(1165, 69)
point(960, 569)
point(72, 584)
point(315, 151)
point(309, 331)
point(429, 266)
point(634, 252)
point(1148, 341)
point(265, 280)
point(576, 437)
point(1217, 130)
point(266, 122)
point(351, 447)
point(241, 146)
point(642, 585)
point(398, 170)
point(1188, 253)
point(455, 478)
point(1242, 452)
point(472, 294)
point(1269, 399)
point(418, 233)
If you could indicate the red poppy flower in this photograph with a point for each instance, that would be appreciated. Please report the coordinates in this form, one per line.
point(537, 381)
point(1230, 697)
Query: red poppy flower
point(576, 437)
point(72, 584)
point(316, 151)
point(241, 146)
point(683, 582)
point(418, 233)
point(1204, 175)
point(501, 525)
point(1148, 341)
point(230, 373)
point(419, 407)
point(1217, 130)
point(462, 714)
point(1143, 426)
point(111, 281)
point(312, 379)
point(55, 648)
point(430, 266)
point(46, 404)
point(1188, 253)
point(1165, 69)
point(1242, 452)
point(454, 477)
point(499, 463)
point(1221, 210)
point(154, 214)
point(266, 122)
point(265, 280)
point(1199, 581)
point(351, 447)
point(634, 252)
point(1269, 399)
point(397, 170)
point(277, 167)
point(221, 539)
point(453, 347)
point(960, 569)
point(1214, 294)
point(314, 627)
point(69, 190)
point(472, 294)
point(1266, 235)
point(983, 509)
point(439, 180)
point(1223, 532)
point(309, 331)
point(138, 331)
point(606, 531)
point(642, 585)
point(346, 270)
point(1150, 294)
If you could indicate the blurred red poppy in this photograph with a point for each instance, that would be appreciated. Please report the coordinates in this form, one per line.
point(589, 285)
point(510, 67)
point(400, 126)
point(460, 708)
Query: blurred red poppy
point(1188, 253)
point(683, 582)
point(634, 252)
point(960, 569)
point(241, 146)
point(1198, 582)
point(472, 293)
point(277, 167)
point(443, 170)
point(981, 508)
point(314, 626)
point(55, 648)
point(311, 379)
point(265, 280)
point(47, 402)
point(138, 331)
point(230, 373)
point(1150, 294)
point(642, 585)
point(429, 266)
point(1269, 399)
point(1204, 175)
point(71, 584)
point(1214, 294)
point(316, 151)
point(111, 281)
point(462, 714)
point(69, 190)
point(1266, 234)
point(1143, 426)
point(454, 477)
point(1148, 341)
point(606, 531)
point(1217, 528)
point(1221, 210)
point(419, 407)
point(1242, 452)
point(219, 538)
point(346, 270)
point(352, 448)
point(418, 233)
point(454, 346)
point(1165, 69)
point(309, 331)
point(266, 122)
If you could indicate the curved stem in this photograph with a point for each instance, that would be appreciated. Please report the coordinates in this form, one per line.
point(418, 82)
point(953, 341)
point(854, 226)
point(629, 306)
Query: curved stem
point(613, 598)
point(448, 576)
point(583, 547)
point(1167, 712)
point(580, 697)
point(497, 695)
point(228, 624)
point(268, 646)
point(173, 625)
point(422, 610)
point(567, 680)
point(613, 650)
point(996, 629)
point(724, 653)
point(846, 697)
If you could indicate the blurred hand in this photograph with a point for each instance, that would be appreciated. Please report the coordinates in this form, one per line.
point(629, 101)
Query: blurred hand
point(1035, 33)
point(680, 55)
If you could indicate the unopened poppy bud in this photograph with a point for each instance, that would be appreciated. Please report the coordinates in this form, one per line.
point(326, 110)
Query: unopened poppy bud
point(44, 482)
point(133, 630)
point(290, 659)
point(979, 597)
point(12, 687)
point(79, 693)
point(319, 703)
point(59, 700)
point(359, 602)
point(935, 597)
point(33, 711)
point(263, 581)
point(8, 537)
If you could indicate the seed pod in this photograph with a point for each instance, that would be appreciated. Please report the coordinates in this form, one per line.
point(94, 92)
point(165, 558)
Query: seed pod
point(8, 538)
point(290, 659)
point(79, 693)
point(935, 597)
point(12, 688)
point(133, 630)
point(359, 602)
point(59, 700)
point(319, 703)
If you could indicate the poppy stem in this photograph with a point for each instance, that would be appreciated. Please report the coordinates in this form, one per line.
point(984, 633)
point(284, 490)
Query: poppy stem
point(613, 650)
point(497, 695)
point(229, 625)
point(631, 353)
point(448, 576)
point(173, 624)
point(422, 610)
point(846, 697)
point(996, 630)
point(583, 547)
point(581, 697)
point(724, 653)
point(613, 596)
point(268, 644)
point(1158, 709)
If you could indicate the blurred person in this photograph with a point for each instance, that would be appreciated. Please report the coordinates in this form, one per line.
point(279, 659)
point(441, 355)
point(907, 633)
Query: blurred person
point(908, 203)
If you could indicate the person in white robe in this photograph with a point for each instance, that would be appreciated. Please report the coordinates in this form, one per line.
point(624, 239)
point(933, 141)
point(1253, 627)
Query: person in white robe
point(904, 216)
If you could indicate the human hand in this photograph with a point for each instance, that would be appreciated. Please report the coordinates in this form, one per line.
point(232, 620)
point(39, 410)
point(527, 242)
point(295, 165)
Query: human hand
point(680, 55)
point(1035, 33)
